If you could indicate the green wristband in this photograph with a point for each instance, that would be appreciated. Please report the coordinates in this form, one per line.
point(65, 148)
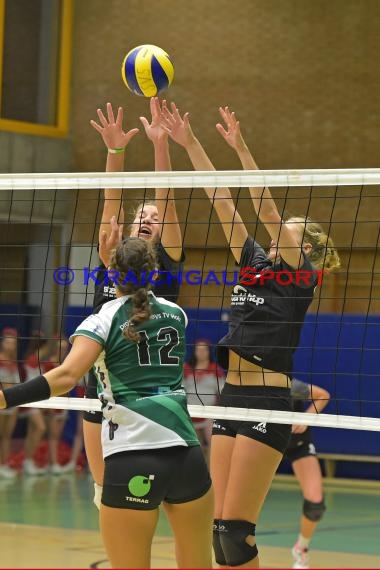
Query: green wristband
point(116, 150)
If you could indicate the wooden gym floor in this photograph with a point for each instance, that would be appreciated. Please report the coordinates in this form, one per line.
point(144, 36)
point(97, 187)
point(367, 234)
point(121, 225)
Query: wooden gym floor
point(50, 522)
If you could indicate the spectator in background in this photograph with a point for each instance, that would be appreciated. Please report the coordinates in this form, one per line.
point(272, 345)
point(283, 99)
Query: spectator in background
point(42, 356)
point(77, 444)
point(36, 353)
point(56, 419)
point(203, 381)
point(9, 375)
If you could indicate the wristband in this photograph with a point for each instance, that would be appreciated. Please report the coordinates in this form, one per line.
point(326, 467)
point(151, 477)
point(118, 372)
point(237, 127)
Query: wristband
point(116, 150)
point(31, 391)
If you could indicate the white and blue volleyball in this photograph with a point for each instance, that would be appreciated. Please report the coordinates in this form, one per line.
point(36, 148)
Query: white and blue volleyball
point(147, 70)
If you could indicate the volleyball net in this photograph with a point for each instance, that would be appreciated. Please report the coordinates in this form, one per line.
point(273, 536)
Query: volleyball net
point(49, 236)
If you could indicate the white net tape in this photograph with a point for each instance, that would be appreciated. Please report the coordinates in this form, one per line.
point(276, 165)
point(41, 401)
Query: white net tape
point(235, 179)
point(200, 179)
point(221, 412)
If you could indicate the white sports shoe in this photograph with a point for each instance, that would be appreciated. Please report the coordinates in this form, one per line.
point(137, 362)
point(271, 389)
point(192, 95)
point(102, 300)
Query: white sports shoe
point(7, 473)
point(30, 468)
point(300, 557)
point(56, 469)
point(68, 467)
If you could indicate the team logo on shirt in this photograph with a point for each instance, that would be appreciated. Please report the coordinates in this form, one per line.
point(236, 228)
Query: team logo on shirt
point(240, 296)
point(239, 289)
point(109, 292)
point(139, 486)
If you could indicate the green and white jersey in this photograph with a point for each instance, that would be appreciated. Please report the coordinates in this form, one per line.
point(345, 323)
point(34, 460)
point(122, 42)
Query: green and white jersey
point(140, 384)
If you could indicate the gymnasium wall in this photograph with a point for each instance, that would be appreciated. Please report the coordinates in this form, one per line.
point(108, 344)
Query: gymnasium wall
point(301, 77)
point(21, 86)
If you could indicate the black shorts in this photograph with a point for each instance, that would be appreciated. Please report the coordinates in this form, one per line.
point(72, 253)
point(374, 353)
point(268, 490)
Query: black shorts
point(256, 397)
point(92, 392)
point(300, 447)
point(142, 480)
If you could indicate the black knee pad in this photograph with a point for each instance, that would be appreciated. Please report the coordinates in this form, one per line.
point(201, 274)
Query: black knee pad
point(313, 511)
point(233, 536)
point(218, 550)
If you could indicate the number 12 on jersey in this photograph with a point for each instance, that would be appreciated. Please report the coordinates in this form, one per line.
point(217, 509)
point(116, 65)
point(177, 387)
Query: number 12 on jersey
point(167, 335)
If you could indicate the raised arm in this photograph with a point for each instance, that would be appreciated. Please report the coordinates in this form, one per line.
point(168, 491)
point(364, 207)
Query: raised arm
point(170, 235)
point(265, 207)
point(180, 131)
point(116, 140)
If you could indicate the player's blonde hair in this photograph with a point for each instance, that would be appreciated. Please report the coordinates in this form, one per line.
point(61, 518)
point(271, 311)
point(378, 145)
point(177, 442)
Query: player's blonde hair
point(324, 254)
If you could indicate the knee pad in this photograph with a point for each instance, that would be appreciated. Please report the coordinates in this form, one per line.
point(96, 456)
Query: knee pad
point(218, 550)
point(313, 511)
point(233, 536)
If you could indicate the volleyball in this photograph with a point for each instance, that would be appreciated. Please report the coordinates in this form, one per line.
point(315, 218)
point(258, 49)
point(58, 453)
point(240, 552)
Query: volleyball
point(147, 70)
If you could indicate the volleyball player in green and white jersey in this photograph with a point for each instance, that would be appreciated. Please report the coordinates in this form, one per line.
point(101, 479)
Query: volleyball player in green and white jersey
point(156, 222)
point(152, 454)
point(141, 382)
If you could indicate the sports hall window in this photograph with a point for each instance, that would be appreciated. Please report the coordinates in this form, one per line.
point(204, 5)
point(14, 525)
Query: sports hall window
point(35, 66)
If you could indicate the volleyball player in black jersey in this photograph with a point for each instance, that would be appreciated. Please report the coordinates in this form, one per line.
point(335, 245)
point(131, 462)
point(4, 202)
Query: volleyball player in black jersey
point(265, 326)
point(154, 221)
point(302, 454)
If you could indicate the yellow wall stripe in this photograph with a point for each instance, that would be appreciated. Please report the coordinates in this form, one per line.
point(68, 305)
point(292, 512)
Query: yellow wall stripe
point(63, 96)
point(2, 34)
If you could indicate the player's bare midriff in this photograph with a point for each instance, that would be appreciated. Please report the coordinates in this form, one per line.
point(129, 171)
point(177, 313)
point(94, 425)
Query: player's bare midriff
point(244, 373)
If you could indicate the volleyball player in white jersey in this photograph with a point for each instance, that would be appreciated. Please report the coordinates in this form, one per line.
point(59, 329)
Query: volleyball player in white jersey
point(154, 221)
point(152, 454)
point(265, 326)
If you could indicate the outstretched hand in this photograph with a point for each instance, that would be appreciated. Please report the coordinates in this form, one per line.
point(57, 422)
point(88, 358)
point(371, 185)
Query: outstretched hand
point(108, 241)
point(154, 130)
point(177, 127)
point(231, 131)
point(111, 129)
